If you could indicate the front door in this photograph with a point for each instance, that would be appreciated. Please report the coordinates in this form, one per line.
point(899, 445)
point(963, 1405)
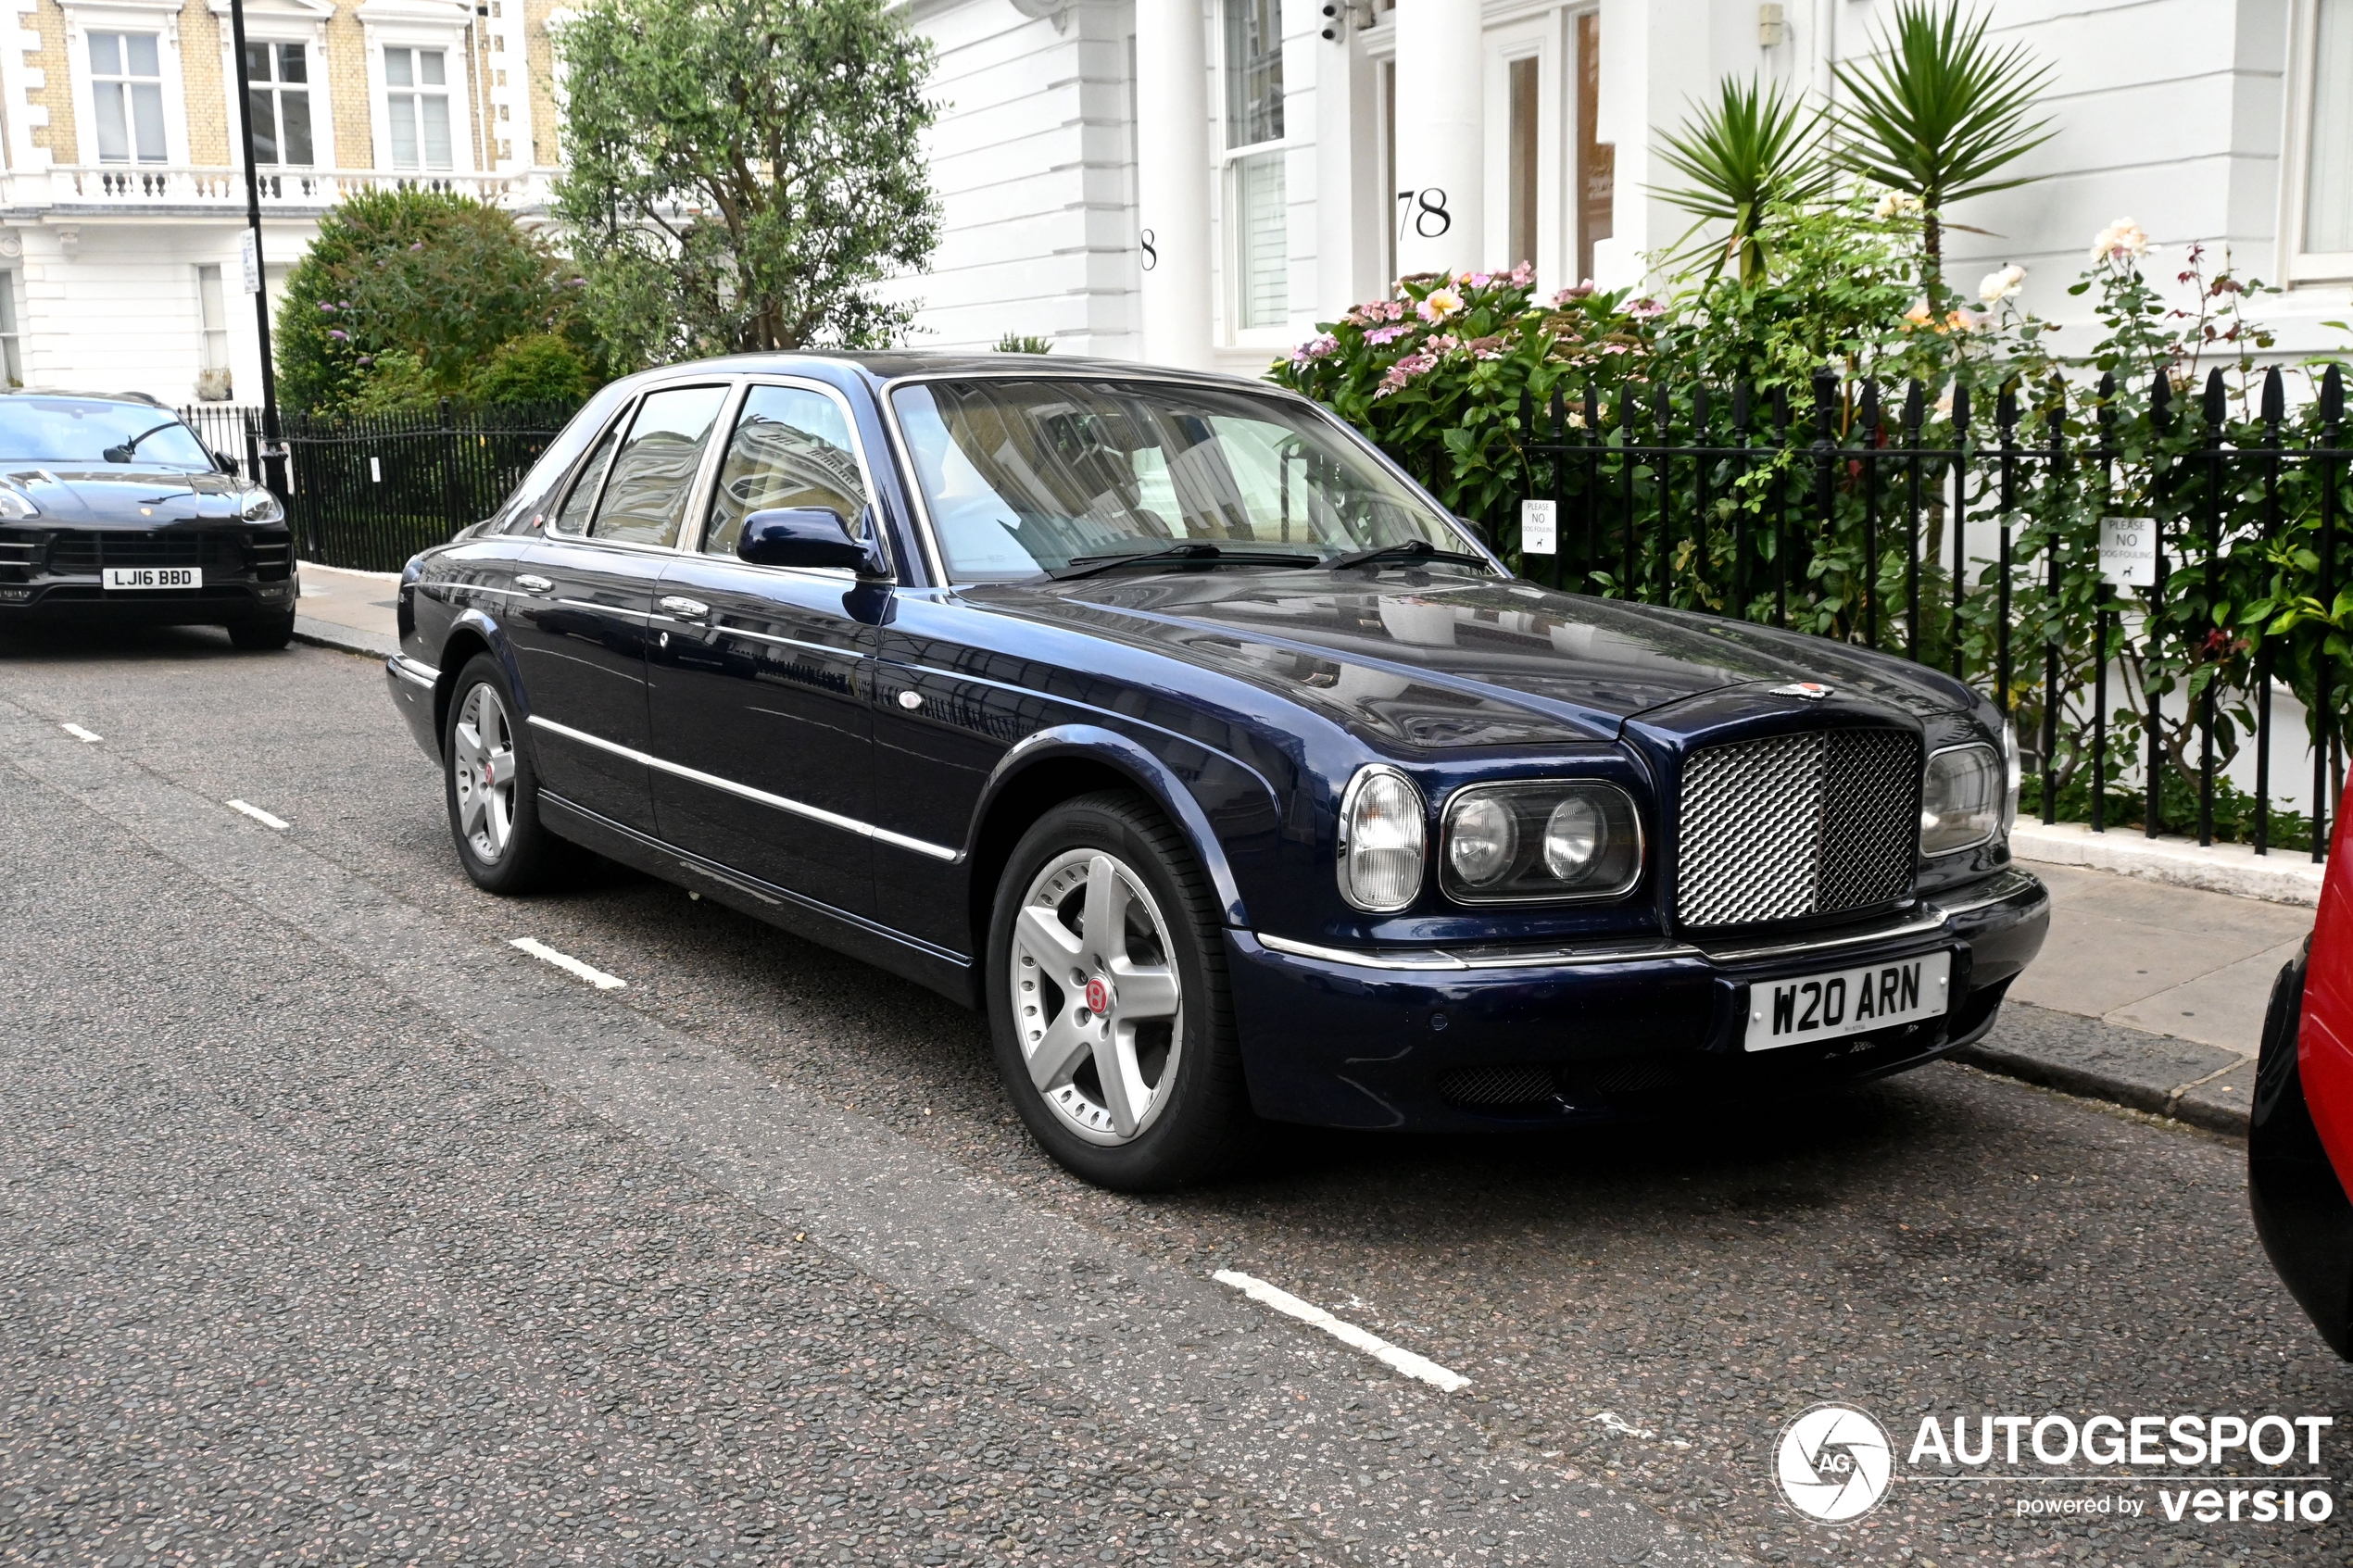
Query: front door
point(762, 674)
point(586, 592)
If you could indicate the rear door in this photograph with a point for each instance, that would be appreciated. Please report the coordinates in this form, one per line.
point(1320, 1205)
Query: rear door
point(761, 675)
point(584, 597)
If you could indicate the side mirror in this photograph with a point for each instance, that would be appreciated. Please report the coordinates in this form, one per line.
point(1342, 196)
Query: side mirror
point(810, 537)
point(224, 462)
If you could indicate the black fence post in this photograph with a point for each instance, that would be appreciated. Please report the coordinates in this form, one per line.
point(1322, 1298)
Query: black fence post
point(1779, 516)
point(1914, 417)
point(1960, 519)
point(2162, 473)
point(2275, 410)
point(1871, 439)
point(2106, 414)
point(1738, 603)
point(2217, 646)
point(1703, 465)
point(2005, 424)
point(2331, 432)
point(2054, 494)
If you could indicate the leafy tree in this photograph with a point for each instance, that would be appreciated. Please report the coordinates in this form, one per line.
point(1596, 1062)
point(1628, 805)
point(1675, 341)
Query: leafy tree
point(743, 172)
point(412, 288)
point(1936, 113)
point(542, 368)
point(1749, 152)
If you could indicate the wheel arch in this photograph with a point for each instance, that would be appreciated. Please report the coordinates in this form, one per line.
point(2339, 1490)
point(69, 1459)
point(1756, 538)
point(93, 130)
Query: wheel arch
point(1057, 765)
point(473, 634)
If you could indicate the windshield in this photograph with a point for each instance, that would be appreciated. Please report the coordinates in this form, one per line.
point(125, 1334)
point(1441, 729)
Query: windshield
point(82, 430)
point(1031, 475)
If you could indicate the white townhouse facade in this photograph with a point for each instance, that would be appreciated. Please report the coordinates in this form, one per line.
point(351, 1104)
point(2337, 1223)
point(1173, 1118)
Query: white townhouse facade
point(123, 195)
point(1200, 181)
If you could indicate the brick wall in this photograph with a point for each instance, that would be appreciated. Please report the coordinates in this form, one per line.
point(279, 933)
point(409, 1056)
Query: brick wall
point(200, 50)
point(56, 93)
point(540, 58)
point(347, 87)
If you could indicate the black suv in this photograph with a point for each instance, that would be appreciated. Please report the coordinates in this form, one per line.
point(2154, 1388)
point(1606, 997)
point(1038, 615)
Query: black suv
point(112, 510)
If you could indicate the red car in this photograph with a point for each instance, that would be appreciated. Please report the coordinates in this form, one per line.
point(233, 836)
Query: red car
point(2300, 1140)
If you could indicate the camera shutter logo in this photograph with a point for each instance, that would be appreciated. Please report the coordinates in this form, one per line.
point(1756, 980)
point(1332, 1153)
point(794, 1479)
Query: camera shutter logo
point(1833, 1464)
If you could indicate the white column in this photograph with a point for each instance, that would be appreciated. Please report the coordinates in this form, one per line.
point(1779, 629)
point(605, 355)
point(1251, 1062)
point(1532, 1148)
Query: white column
point(1441, 134)
point(1173, 181)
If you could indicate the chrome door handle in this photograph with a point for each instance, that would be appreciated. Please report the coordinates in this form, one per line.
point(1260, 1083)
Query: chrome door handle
point(531, 584)
point(682, 609)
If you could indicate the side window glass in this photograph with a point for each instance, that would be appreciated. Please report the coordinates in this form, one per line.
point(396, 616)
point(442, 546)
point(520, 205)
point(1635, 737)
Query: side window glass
point(573, 517)
point(646, 498)
point(792, 447)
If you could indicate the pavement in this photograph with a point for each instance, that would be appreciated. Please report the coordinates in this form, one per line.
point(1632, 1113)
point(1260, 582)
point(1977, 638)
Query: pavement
point(341, 1230)
point(2150, 994)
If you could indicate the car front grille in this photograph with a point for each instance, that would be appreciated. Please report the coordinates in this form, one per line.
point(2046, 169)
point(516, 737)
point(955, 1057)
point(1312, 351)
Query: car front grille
point(91, 549)
point(1796, 826)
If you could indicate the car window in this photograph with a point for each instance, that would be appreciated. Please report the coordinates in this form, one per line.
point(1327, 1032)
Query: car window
point(89, 429)
point(646, 498)
point(1022, 476)
point(792, 447)
point(574, 518)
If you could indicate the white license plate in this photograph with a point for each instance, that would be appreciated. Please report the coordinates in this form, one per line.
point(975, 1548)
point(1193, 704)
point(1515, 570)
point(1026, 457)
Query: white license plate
point(154, 577)
point(1839, 1002)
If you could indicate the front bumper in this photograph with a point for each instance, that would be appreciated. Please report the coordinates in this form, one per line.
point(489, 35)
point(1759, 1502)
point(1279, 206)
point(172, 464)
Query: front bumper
point(2302, 1213)
point(69, 600)
point(413, 683)
point(1475, 1039)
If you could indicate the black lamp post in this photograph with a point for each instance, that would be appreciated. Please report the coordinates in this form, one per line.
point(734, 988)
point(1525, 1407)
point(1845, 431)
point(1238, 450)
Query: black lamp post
point(273, 458)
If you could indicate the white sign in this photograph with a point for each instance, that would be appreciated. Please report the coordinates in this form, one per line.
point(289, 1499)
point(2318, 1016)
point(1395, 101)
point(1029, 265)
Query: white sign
point(249, 260)
point(2127, 551)
point(1538, 528)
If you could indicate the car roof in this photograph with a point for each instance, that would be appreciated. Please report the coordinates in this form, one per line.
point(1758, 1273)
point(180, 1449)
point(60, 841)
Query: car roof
point(142, 398)
point(888, 365)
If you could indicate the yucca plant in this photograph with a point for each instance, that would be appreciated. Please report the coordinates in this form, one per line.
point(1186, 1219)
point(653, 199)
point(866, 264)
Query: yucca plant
point(1749, 152)
point(1935, 112)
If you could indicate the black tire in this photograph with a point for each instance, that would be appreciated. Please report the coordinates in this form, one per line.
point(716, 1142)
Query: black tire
point(1202, 1124)
point(529, 856)
point(263, 634)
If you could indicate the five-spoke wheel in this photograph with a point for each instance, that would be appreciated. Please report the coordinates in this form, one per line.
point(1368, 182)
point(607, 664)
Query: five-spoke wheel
point(493, 793)
point(1107, 997)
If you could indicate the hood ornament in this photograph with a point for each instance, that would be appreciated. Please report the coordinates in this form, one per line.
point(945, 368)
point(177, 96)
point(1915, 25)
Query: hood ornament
point(1812, 691)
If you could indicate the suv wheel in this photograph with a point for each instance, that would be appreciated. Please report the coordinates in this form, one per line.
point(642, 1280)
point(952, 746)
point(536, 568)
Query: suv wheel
point(1107, 998)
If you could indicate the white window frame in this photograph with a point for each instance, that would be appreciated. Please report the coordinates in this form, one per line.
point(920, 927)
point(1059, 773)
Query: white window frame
point(158, 17)
point(1543, 38)
point(421, 24)
point(2296, 264)
point(282, 21)
point(1289, 148)
point(11, 327)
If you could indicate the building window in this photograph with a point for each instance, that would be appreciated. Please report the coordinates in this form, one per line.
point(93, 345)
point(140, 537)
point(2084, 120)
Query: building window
point(2328, 142)
point(1596, 172)
point(280, 78)
point(1253, 122)
point(11, 350)
point(417, 106)
point(1526, 157)
point(126, 96)
point(212, 313)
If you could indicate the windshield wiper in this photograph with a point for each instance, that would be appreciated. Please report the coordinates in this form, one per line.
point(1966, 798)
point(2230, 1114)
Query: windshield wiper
point(1196, 550)
point(123, 454)
point(1406, 550)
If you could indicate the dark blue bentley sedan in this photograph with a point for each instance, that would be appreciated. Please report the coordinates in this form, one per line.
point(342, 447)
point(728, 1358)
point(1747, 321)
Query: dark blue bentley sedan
point(1163, 718)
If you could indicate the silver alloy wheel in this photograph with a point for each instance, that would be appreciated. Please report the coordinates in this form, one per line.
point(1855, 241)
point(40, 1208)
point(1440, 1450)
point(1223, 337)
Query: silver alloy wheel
point(1097, 999)
point(482, 759)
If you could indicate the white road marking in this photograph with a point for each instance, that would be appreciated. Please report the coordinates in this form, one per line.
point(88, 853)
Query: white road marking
point(78, 733)
point(569, 964)
point(1348, 1334)
point(258, 815)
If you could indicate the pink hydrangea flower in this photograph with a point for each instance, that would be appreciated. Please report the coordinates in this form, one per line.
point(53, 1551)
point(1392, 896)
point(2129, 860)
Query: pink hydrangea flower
point(1386, 334)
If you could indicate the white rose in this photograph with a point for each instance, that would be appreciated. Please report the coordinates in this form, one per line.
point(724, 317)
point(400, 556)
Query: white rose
point(2004, 284)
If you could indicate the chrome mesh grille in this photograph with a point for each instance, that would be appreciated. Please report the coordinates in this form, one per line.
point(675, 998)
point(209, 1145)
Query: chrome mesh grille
point(1796, 826)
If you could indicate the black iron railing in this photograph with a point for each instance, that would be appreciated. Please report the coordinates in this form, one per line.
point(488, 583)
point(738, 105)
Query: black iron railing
point(2128, 577)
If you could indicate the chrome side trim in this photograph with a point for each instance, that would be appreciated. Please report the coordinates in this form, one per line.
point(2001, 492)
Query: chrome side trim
point(1399, 957)
point(759, 796)
point(415, 672)
point(1917, 926)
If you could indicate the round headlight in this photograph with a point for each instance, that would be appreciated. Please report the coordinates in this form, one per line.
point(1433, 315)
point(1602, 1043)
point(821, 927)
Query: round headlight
point(1574, 834)
point(1382, 835)
point(1484, 841)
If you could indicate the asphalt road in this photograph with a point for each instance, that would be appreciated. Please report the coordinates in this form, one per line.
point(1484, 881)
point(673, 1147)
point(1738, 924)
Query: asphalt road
point(334, 1230)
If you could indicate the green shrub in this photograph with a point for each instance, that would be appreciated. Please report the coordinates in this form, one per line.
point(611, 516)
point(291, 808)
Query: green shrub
point(541, 368)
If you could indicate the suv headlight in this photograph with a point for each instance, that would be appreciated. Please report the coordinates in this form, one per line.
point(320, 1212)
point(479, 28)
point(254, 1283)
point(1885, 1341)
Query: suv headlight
point(2011, 764)
point(16, 506)
point(1382, 837)
point(259, 505)
point(1548, 839)
point(1968, 797)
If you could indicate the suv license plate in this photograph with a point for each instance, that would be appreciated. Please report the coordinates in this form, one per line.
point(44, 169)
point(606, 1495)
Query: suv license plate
point(119, 577)
point(1847, 1001)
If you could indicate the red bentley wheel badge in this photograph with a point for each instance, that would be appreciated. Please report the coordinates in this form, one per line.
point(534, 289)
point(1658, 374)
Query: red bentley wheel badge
point(1097, 995)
